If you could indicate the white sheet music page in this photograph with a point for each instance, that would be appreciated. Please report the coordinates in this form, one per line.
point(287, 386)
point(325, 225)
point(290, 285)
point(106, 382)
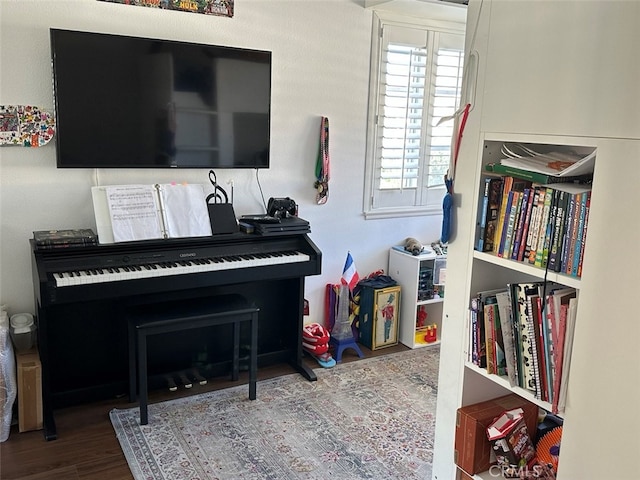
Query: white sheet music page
point(134, 211)
point(185, 210)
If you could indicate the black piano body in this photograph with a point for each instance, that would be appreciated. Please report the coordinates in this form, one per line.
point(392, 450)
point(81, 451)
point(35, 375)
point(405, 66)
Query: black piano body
point(82, 330)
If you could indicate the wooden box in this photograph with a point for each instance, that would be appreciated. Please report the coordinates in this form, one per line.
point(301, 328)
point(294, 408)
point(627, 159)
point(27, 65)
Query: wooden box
point(472, 447)
point(29, 373)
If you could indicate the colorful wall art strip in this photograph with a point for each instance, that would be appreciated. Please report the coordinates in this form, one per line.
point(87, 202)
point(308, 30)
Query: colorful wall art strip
point(222, 8)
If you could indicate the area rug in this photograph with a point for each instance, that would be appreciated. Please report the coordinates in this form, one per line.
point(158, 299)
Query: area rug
point(372, 419)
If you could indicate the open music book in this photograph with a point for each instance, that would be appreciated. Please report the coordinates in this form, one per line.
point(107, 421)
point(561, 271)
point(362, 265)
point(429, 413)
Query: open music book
point(145, 212)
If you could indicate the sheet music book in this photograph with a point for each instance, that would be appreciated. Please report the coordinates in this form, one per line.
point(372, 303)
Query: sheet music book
point(145, 212)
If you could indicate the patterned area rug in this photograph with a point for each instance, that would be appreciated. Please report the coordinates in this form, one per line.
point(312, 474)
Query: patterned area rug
point(372, 418)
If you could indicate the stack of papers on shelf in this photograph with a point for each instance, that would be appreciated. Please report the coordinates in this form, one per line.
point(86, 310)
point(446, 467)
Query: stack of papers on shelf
point(556, 164)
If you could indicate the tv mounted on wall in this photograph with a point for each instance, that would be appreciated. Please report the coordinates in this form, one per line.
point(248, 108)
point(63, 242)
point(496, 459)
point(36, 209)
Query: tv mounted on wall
point(129, 102)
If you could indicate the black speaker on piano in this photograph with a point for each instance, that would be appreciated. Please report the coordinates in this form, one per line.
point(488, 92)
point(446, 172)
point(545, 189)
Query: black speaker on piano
point(222, 218)
point(221, 214)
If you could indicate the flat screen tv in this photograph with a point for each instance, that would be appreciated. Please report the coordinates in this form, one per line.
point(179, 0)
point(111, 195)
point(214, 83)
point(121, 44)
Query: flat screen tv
point(129, 102)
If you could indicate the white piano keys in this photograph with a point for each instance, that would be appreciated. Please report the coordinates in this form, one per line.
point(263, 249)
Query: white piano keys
point(133, 272)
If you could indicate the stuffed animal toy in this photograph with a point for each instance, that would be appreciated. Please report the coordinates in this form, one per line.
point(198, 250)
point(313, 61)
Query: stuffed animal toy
point(414, 246)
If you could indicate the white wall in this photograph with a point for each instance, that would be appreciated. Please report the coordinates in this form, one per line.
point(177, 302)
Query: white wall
point(321, 52)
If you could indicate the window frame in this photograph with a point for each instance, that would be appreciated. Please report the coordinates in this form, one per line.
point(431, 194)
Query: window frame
point(435, 194)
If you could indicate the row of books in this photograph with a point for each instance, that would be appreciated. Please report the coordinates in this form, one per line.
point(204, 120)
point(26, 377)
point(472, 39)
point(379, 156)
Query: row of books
point(524, 332)
point(543, 225)
point(53, 239)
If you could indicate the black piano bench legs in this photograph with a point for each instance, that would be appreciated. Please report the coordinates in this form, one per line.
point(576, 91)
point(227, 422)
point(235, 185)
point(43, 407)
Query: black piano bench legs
point(148, 320)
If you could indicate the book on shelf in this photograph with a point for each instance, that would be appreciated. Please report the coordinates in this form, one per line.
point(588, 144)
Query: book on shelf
point(473, 347)
point(572, 233)
point(546, 246)
point(478, 328)
point(568, 346)
point(561, 312)
point(508, 200)
point(584, 202)
point(556, 333)
point(556, 328)
point(551, 332)
point(561, 202)
point(535, 177)
point(493, 337)
point(498, 339)
point(526, 321)
point(521, 227)
point(546, 347)
point(489, 214)
point(563, 327)
point(503, 300)
point(512, 225)
point(483, 216)
point(539, 321)
point(534, 219)
point(569, 226)
point(512, 191)
point(578, 272)
point(490, 335)
point(50, 239)
point(530, 354)
point(537, 225)
point(544, 231)
point(477, 334)
point(144, 212)
point(506, 188)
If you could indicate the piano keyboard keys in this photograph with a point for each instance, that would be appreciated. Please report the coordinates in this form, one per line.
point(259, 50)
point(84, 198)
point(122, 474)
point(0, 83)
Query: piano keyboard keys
point(163, 269)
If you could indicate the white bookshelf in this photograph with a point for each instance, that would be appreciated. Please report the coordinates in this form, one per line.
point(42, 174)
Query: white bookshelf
point(409, 270)
point(514, 102)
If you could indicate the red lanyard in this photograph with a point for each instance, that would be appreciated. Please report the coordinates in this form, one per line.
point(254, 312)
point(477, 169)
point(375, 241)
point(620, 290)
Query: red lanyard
point(463, 123)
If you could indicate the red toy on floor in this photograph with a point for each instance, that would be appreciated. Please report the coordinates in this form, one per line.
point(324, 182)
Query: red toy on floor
point(315, 340)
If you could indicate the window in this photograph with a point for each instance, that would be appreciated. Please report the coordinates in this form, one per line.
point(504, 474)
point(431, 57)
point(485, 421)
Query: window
point(416, 80)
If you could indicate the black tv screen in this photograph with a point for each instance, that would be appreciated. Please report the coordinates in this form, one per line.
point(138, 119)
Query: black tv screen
point(129, 102)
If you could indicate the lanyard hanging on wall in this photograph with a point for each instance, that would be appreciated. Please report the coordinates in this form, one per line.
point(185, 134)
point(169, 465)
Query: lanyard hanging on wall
point(447, 202)
point(322, 164)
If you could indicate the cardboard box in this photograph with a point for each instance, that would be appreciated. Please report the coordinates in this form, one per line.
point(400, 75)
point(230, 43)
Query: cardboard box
point(29, 370)
point(473, 452)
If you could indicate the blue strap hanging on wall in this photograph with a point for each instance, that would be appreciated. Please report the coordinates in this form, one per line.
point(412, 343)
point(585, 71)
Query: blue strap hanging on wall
point(447, 202)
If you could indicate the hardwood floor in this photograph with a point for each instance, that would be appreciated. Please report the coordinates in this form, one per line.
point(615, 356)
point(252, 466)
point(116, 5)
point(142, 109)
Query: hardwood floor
point(87, 447)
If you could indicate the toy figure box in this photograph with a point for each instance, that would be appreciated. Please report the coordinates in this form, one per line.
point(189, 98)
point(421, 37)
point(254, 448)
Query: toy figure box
point(473, 452)
point(510, 441)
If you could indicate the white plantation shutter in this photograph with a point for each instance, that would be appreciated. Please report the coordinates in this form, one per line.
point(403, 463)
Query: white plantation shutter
point(419, 79)
point(447, 87)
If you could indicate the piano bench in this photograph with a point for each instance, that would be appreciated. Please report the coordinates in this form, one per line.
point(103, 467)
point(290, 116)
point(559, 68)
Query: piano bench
point(147, 320)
